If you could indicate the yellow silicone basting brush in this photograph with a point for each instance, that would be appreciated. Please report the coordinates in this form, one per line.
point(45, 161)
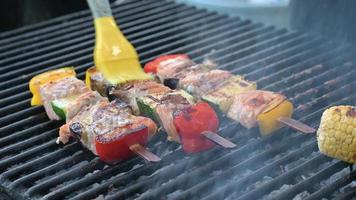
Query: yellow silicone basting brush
point(114, 55)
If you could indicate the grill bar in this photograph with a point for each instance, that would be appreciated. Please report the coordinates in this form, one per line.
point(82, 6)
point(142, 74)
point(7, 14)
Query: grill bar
point(327, 191)
point(305, 185)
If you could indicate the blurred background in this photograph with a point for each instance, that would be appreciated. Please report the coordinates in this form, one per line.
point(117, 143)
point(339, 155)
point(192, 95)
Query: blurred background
point(330, 18)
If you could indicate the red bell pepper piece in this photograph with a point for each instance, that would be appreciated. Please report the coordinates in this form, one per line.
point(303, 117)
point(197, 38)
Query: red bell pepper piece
point(112, 148)
point(151, 67)
point(192, 122)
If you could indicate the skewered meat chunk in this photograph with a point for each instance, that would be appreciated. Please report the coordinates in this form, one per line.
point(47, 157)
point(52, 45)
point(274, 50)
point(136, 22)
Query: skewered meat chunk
point(217, 87)
point(131, 91)
point(156, 101)
point(337, 133)
point(96, 81)
point(161, 108)
point(258, 107)
point(203, 82)
point(222, 97)
point(168, 66)
point(108, 130)
point(172, 109)
point(182, 119)
point(64, 98)
point(228, 94)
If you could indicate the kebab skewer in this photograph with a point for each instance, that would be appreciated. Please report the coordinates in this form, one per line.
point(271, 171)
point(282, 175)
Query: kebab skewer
point(107, 129)
point(229, 94)
point(193, 124)
point(337, 131)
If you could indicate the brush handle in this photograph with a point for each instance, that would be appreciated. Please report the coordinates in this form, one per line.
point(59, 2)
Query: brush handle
point(100, 8)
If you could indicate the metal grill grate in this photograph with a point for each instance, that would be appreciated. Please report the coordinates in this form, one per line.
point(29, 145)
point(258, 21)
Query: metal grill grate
point(313, 72)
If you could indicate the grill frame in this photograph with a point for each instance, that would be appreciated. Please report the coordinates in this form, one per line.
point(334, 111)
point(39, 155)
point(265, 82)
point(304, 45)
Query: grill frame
point(258, 50)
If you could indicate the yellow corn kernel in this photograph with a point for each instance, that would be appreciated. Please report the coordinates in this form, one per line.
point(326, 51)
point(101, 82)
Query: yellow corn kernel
point(268, 121)
point(337, 133)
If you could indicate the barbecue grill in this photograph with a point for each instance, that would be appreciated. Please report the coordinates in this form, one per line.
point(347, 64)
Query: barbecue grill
point(314, 72)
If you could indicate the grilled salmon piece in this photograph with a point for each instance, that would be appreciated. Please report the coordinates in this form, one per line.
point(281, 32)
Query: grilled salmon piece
point(60, 89)
point(202, 82)
point(247, 106)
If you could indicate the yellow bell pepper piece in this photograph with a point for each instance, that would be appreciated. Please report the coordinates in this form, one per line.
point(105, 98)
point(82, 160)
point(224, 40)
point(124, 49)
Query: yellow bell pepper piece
point(41, 79)
point(268, 120)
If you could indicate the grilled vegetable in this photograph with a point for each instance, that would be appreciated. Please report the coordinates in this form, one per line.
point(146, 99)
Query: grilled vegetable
point(115, 148)
point(222, 97)
point(171, 83)
point(201, 83)
point(38, 81)
point(160, 107)
point(129, 92)
point(64, 98)
point(217, 87)
point(228, 94)
point(67, 108)
point(60, 107)
point(153, 66)
point(337, 133)
point(96, 81)
point(258, 107)
point(109, 130)
point(268, 120)
point(162, 104)
point(56, 96)
point(192, 122)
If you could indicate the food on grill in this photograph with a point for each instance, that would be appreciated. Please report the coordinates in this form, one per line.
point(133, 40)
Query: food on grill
point(168, 65)
point(199, 83)
point(183, 120)
point(260, 108)
point(64, 98)
point(191, 122)
point(221, 98)
point(337, 133)
point(130, 92)
point(173, 110)
point(217, 87)
point(228, 94)
point(97, 82)
point(161, 108)
point(42, 79)
point(108, 129)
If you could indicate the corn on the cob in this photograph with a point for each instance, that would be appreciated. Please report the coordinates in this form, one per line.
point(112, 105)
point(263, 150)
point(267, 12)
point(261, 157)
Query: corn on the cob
point(337, 133)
